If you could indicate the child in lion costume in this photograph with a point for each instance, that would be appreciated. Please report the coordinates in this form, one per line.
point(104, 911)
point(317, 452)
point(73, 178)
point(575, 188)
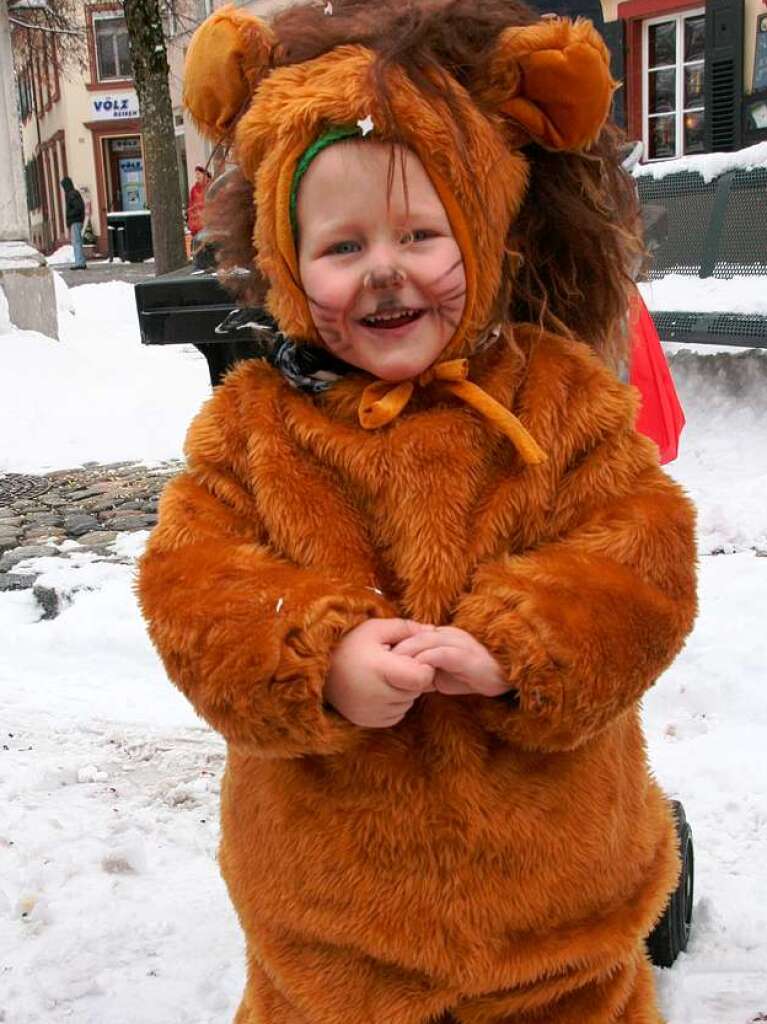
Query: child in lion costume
point(420, 567)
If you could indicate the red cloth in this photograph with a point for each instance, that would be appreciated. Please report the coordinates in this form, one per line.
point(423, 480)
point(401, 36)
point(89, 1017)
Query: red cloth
point(194, 210)
point(660, 416)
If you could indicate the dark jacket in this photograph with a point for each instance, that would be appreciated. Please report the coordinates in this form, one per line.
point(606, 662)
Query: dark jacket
point(75, 212)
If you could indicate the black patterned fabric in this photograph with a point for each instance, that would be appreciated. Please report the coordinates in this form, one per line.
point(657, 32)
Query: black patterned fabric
point(305, 367)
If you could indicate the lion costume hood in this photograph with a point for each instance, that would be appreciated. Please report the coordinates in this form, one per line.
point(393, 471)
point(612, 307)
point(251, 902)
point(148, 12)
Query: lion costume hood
point(549, 83)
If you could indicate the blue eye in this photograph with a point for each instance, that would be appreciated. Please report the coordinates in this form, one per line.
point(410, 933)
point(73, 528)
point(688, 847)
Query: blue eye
point(344, 248)
point(418, 235)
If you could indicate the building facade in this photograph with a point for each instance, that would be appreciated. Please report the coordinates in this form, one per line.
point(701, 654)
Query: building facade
point(694, 73)
point(694, 81)
point(83, 123)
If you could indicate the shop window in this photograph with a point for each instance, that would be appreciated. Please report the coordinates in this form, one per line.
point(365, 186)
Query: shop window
point(112, 50)
point(673, 69)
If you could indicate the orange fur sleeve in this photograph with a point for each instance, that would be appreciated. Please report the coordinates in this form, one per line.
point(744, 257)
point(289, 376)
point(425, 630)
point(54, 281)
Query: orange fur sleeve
point(244, 634)
point(584, 624)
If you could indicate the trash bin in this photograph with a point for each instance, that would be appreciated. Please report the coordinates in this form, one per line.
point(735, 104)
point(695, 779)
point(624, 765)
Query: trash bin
point(130, 235)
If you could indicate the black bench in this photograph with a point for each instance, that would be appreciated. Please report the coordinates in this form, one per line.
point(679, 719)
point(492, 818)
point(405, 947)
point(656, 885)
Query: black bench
point(188, 307)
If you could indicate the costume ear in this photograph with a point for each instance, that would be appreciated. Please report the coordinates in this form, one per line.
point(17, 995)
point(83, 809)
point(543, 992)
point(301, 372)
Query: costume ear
point(227, 57)
point(552, 79)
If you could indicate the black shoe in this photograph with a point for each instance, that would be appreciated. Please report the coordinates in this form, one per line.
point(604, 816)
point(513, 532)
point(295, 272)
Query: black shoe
point(79, 266)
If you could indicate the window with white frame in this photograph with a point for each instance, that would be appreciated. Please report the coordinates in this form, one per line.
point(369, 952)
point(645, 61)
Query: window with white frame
point(112, 50)
point(673, 68)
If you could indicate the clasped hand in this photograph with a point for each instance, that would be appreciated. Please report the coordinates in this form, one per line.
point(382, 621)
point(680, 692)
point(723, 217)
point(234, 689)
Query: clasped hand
point(380, 668)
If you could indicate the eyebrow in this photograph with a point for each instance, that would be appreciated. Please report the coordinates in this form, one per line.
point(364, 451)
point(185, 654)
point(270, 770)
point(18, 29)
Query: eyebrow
point(332, 226)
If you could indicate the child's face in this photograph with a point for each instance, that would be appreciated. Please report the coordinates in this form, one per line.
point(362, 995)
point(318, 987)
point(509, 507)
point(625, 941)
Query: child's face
point(381, 269)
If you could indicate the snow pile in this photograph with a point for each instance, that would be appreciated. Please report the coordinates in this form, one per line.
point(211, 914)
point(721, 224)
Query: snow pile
point(722, 454)
point(64, 304)
point(708, 165)
point(62, 256)
point(706, 722)
point(745, 294)
point(109, 795)
point(98, 394)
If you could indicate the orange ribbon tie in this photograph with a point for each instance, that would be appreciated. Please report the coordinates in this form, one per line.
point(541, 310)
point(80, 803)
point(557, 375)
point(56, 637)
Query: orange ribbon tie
point(383, 401)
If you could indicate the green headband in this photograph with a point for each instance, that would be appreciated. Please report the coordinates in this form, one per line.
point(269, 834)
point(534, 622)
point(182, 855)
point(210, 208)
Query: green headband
point(336, 134)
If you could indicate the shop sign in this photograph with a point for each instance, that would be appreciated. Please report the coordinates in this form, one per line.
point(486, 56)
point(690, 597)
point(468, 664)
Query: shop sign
point(128, 145)
point(116, 106)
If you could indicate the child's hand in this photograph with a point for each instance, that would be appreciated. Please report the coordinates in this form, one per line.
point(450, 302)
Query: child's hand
point(463, 665)
point(368, 683)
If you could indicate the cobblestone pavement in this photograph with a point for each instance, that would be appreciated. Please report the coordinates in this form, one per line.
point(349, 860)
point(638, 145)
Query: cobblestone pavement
point(89, 506)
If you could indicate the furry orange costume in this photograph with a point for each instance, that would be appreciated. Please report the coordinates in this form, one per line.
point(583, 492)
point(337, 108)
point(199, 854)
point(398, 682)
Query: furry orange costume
point(485, 860)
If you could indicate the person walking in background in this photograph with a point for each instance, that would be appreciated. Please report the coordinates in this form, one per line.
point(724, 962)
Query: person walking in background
point(75, 215)
point(197, 201)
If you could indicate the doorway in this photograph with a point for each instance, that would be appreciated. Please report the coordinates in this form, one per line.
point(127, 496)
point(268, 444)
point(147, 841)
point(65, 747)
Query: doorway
point(124, 173)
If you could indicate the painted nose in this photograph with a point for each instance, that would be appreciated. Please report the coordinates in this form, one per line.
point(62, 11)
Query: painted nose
point(383, 277)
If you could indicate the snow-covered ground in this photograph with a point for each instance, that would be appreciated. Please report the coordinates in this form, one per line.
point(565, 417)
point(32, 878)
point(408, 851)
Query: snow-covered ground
point(98, 394)
point(111, 907)
point(65, 255)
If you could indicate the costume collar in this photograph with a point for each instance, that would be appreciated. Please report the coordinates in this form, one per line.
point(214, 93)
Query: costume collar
point(314, 370)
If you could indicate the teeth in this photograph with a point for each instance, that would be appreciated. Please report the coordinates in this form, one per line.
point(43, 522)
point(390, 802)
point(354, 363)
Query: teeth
point(395, 315)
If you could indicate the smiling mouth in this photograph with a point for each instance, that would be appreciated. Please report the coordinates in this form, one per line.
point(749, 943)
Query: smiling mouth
point(392, 318)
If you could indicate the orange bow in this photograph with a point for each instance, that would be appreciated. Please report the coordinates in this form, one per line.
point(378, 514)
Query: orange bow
point(383, 401)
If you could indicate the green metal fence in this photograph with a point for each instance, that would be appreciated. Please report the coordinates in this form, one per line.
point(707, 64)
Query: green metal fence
point(715, 229)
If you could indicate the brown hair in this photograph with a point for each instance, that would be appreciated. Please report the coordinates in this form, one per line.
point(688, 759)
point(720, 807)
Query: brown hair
point(571, 250)
point(229, 217)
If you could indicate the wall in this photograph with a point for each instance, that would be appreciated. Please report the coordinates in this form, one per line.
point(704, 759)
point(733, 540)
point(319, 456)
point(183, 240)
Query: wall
point(12, 206)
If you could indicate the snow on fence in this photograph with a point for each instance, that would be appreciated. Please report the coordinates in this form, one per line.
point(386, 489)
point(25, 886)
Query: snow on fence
point(716, 208)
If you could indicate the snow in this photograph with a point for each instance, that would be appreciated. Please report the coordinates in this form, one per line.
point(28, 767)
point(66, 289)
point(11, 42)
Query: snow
point(706, 722)
point(19, 256)
point(723, 455)
point(744, 294)
point(98, 394)
point(62, 256)
point(111, 905)
point(708, 165)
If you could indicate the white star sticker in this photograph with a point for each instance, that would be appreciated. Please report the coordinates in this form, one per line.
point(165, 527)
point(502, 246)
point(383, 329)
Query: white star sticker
point(366, 125)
